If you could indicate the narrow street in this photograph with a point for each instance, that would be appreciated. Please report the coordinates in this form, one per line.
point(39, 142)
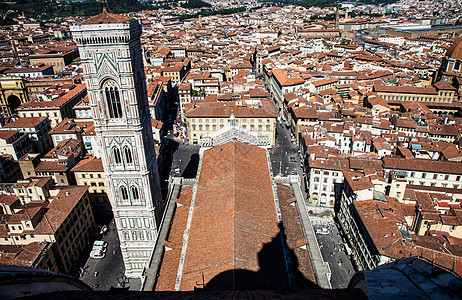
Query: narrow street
point(107, 272)
point(285, 158)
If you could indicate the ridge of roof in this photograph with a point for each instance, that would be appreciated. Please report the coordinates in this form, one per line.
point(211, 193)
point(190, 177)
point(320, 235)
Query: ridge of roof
point(106, 18)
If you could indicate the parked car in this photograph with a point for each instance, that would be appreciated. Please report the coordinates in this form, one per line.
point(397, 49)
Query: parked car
point(97, 254)
point(99, 248)
point(324, 230)
point(100, 243)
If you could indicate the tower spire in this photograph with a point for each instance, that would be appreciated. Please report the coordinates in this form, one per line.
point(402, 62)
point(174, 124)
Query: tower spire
point(337, 17)
point(104, 6)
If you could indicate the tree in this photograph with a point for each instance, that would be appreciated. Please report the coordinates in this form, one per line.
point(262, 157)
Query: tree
point(195, 4)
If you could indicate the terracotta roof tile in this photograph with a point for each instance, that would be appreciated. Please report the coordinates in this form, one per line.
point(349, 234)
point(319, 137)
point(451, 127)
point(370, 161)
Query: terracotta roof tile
point(89, 164)
point(221, 109)
point(234, 226)
point(106, 18)
point(25, 122)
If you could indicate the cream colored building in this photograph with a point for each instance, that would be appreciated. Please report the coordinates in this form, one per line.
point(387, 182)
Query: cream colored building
point(33, 189)
point(65, 219)
point(90, 172)
point(56, 103)
point(14, 143)
point(13, 93)
point(440, 92)
point(256, 116)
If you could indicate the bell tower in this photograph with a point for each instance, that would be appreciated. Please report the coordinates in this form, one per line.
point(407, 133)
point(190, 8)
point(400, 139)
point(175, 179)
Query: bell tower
point(111, 55)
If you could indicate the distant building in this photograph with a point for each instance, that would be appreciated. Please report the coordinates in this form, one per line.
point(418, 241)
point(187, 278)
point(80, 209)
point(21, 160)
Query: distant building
point(309, 33)
point(14, 143)
point(69, 129)
point(176, 70)
point(184, 95)
point(284, 82)
point(255, 116)
point(38, 85)
point(440, 92)
point(427, 172)
point(39, 70)
point(159, 91)
point(10, 170)
point(13, 93)
point(58, 59)
point(451, 66)
point(58, 162)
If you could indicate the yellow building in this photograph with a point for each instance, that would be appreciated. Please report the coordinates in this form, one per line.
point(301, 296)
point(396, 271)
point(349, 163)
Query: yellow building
point(90, 172)
point(58, 59)
point(256, 116)
point(65, 220)
point(13, 93)
point(440, 92)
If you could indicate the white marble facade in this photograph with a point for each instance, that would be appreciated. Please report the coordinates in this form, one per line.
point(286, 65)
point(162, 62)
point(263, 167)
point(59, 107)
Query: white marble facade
point(111, 56)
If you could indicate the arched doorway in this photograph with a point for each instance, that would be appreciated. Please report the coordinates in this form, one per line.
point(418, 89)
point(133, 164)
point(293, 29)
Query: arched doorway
point(13, 103)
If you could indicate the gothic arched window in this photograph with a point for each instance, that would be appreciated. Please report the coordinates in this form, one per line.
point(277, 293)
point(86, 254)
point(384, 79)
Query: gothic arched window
point(124, 193)
point(135, 194)
point(116, 154)
point(112, 94)
point(128, 155)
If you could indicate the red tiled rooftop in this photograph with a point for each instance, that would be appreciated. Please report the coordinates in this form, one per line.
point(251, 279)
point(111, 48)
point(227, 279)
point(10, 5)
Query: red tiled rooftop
point(220, 109)
point(106, 18)
point(232, 220)
point(26, 122)
point(234, 225)
point(89, 164)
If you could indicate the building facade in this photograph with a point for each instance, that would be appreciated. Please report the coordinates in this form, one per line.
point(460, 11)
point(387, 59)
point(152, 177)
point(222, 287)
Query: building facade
point(64, 220)
point(13, 93)
point(441, 92)
point(56, 103)
point(255, 116)
point(90, 172)
point(112, 61)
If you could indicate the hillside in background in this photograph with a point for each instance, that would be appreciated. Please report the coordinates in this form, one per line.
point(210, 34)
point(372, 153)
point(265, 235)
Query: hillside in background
point(43, 9)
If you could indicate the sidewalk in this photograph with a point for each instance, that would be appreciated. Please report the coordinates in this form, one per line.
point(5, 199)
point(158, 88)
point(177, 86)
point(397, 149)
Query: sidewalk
point(320, 267)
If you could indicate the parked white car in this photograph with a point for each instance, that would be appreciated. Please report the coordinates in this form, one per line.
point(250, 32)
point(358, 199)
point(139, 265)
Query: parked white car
point(97, 254)
point(100, 243)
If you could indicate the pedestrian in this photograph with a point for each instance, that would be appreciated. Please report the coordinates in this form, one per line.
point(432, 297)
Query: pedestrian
point(96, 274)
